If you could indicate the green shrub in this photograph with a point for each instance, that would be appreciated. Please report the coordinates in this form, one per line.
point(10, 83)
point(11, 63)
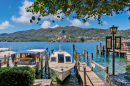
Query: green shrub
point(128, 70)
point(17, 76)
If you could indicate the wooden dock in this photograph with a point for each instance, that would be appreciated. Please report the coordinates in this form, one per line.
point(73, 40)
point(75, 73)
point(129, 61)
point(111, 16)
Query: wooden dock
point(91, 78)
point(42, 82)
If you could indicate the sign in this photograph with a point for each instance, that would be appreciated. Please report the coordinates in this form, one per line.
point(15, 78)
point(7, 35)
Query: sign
point(118, 42)
point(93, 65)
point(109, 42)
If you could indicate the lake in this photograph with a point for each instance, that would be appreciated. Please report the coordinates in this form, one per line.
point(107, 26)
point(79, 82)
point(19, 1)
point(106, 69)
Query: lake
point(120, 63)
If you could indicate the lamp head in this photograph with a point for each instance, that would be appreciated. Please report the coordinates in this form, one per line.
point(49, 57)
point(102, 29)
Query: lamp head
point(113, 29)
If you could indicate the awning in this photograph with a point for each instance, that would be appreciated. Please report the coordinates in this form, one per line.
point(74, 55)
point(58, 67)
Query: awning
point(29, 52)
point(37, 50)
point(40, 48)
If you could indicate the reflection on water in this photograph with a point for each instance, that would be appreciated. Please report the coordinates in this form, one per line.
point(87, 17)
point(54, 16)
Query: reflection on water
point(120, 63)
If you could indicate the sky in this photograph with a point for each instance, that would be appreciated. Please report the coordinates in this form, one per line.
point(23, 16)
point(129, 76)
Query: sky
point(13, 17)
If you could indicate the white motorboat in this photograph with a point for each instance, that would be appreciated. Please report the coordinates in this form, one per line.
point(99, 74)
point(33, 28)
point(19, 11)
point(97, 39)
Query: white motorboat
point(60, 63)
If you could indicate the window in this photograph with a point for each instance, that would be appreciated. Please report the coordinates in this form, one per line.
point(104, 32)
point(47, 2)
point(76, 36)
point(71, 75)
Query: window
point(60, 58)
point(68, 59)
point(53, 59)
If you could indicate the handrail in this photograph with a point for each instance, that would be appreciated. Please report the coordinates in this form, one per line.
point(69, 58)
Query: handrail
point(99, 65)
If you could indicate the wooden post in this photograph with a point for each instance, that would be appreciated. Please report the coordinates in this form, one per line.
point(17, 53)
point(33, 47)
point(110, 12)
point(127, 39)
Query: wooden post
point(37, 64)
point(51, 52)
point(25, 55)
point(84, 70)
point(20, 55)
point(49, 55)
point(73, 49)
point(4, 59)
point(100, 49)
point(78, 64)
point(84, 56)
point(96, 49)
point(87, 57)
point(41, 66)
point(47, 66)
point(8, 62)
point(0, 63)
point(15, 63)
point(119, 52)
point(106, 72)
point(75, 60)
point(45, 61)
point(91, 61)
point(103, 49)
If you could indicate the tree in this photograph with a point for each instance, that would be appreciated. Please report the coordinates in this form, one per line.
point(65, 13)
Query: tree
point(83, 9)
point(82, 39)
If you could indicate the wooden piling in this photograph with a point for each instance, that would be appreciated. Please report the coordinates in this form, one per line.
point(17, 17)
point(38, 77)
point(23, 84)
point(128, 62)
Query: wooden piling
point(84, 56)
point(48, 67)
point(8, 62)
point(84, 82)
point(78, 64)
point(41, 66)
point(87, 58)
point(15, 63)
point(51, 51)
point(37, 64)
point(73, 49)
point(91, 61)
point(100, 49)
point(106, 72)
point(96, 49)
point(4, 59)
point(119, 52)
point(45, 62)
point(103, 49)
point(49, 55)
point(0, 63)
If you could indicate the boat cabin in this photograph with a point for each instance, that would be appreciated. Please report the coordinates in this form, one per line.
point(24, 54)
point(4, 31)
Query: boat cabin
point(4, 49)
point(61, 57)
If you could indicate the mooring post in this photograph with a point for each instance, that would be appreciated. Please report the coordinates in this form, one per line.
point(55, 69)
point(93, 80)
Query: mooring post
point(76, 60)
point(87, 57)
point(91, 61)
point(100, 49)
point(73, 49)
point(0, 63)
point(49, 55)
point(119, 52)
point(4, 59)
point(48, 68)
point(84, 70)
point(15, 63)
point(51, 52)
point(41, 65)
point(8, 62)
point(84, 56)
point(96, 49)
point(103, 49)
point(106, 72)
point(45, 62)
point(78, 64)
point(37, 64)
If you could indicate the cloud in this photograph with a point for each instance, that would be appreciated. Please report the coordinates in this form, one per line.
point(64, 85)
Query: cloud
point(24, 16)
point(47, 24)
point(5, 25)
point(105, 23)
point(77, 23)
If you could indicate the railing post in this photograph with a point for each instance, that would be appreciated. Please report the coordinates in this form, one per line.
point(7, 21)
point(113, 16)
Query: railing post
point(106, 72)
point(4, 59)
point(37, 64)
point(0, 63)
point(84, 72)
point(15, 63)
point(41, 66)
point(91, 61)
point(48, 67)
point(100, 49)
point(78, 64)
point(87, 57)
point(8, 62)
point(73, 49)
point(84, 56)
point(103, 49)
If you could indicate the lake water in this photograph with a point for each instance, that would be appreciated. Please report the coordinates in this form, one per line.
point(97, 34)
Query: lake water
point(120, 63)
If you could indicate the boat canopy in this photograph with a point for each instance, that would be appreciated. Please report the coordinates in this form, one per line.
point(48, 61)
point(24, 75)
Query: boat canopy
point(39, 48)
point(29, 52)
point(7, 53)
point(4, 49)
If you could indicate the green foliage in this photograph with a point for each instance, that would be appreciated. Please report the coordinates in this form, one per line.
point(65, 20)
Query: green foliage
point(42, 35)
point(82, 39)
point(128, 70)
point(17, 76)
point(91, 8)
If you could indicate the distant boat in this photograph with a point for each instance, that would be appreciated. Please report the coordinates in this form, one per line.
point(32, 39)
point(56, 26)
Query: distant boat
point(60, 63)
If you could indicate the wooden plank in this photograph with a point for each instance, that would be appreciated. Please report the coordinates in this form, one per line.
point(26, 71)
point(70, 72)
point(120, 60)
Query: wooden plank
point(42, 82)
point(91, 78)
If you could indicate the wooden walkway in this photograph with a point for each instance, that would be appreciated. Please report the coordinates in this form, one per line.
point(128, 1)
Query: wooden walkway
point(42, 82)
point(91, 78)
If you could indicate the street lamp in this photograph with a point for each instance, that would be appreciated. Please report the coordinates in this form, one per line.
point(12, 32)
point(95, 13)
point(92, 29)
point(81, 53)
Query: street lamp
point(113, 30)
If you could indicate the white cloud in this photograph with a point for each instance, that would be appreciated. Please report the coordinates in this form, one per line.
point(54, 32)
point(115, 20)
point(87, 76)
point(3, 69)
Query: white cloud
point(47, 24)
point(24, 16)
point(87, 24)
point(5, 25)
point(105, 23)
point(77, 23)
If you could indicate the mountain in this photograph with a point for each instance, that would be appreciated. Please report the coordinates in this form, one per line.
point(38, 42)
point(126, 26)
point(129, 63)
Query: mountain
point(45, 34)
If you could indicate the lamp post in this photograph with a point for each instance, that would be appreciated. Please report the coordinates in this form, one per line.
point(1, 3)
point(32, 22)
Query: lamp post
point(113, 30)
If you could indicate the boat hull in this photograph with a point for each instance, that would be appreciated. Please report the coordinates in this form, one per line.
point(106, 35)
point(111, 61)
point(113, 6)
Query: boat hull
point(61, 75)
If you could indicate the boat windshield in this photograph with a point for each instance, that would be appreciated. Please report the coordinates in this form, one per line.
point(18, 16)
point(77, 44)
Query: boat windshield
point(53, 59)
point(60, 58)
point(68, 59)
